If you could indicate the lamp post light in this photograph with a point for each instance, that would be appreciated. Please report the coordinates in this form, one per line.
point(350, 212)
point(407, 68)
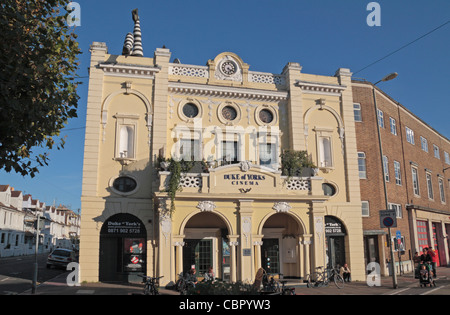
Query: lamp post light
point(388, 77)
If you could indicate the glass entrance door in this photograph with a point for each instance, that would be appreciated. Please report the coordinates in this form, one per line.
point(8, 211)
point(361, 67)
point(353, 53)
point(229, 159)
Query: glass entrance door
point(270, 255)
point(198, 252)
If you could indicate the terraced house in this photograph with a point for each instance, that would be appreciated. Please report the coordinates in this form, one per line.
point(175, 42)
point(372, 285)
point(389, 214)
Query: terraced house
point(189, 165)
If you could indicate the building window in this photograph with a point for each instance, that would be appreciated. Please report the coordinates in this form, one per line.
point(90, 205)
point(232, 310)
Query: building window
point(436, 151)
point(190, 150)
point(397, 208)
point(365, 208)
point(447, 157)
point(410, 135)
point(126, 145)
point(386, 168)
point(398, 174)
point(380, 118)
point(230, 152)
point(393, 126)
point(429, 186)
point(124, 184)
point(441, 189)
point(424, 143)
point(267, 154)
point(415, 179)
point(357, 112)
point(325, 156)
point(362, 165)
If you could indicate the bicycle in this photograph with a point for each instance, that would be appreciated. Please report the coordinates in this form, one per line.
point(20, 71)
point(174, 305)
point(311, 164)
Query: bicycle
point(323, 278)
point(273, 287)
point(183, 284)
point(151, 287)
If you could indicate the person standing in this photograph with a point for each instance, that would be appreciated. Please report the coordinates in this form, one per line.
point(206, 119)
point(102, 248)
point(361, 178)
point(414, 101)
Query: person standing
point(433, 256)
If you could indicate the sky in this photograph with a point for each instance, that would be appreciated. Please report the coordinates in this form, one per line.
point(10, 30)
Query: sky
point(321, 35)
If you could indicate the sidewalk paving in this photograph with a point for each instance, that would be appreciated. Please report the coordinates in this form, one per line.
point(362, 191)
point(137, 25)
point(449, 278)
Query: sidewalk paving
point(58, 286)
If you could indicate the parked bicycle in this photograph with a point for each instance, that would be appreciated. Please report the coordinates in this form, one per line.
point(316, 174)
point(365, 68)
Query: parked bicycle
point(183, 284)
point(323, 277)
point(271, 286)
point(151, 285)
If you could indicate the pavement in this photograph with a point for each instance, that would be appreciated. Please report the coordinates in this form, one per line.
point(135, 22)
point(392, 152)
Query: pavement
point(58, 286)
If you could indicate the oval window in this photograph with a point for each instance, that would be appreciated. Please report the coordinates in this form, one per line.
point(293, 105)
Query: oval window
point(328, 189)
point(266, 116)
point(229, 113)
point(124, 184)
point(190, 110)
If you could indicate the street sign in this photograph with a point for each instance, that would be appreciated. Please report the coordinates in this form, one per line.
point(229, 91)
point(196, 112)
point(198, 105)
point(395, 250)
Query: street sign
point(388, 219)
point(398, 235)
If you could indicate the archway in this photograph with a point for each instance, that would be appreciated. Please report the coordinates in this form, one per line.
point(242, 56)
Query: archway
point(206, 245)
point(335, 233)
point(123, 251)
point(280, 252)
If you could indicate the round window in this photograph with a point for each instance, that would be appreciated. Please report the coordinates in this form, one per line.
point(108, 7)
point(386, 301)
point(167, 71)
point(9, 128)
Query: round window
point(266, 116)
point(190, 110)
point(124, 184)
point(229, 113)
point(328, 189)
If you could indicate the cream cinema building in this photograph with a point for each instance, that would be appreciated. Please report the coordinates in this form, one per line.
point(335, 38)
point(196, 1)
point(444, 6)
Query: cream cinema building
point(233, 209)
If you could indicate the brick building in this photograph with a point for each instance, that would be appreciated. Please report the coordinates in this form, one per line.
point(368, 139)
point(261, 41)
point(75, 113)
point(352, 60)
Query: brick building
point(415, 158)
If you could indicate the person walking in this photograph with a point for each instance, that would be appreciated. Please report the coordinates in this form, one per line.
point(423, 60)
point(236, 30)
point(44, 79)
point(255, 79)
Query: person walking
point(433, 263)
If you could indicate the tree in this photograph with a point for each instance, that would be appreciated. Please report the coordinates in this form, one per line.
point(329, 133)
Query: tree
point(38, 61)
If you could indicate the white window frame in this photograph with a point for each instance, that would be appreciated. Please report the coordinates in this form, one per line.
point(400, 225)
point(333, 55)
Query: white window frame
point(436, 151)
point(362, 173)
point(380, 116)
point(410, 135)
point(424, 144)
point(429, 185)
point(365, 208)
point(398, 209)
point(357, 112)
point(386, 168)
point(415, 180)
point(393, 125)
point(325, 160)
point(398, 173)
point(130, 122)
point(441, 189)
point(446, 157)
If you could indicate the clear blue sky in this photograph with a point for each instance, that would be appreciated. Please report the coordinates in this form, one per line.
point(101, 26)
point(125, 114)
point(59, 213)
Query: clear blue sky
point(321, 35)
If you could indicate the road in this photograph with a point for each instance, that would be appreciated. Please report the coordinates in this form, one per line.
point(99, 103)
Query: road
point(16, 273)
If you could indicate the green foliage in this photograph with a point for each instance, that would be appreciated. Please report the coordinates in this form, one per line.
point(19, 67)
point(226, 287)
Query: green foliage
point(223, 288)
point(174, 182)
point(38, 61)
point(293, 162)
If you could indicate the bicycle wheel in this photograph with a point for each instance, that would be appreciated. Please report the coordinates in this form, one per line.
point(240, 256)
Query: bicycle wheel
point(313, 280)
point(338, 281)
point(147, 289)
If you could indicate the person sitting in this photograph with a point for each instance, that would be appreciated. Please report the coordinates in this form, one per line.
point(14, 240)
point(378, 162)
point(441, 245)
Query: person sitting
point(345, 273)
point(209, 275)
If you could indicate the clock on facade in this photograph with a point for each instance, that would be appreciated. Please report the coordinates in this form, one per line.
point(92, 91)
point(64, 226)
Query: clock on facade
point(229, 113)
point(228, 67)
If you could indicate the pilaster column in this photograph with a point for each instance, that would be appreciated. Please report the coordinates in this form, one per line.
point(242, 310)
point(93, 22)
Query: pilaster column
point(306, 249)
point(178, 257)
point(165, 248)
point(246, 253)
point(318, 237)
point(233, 244)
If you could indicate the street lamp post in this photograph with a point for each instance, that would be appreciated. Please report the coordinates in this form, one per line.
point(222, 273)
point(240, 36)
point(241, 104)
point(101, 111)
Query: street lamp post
point(386, 78)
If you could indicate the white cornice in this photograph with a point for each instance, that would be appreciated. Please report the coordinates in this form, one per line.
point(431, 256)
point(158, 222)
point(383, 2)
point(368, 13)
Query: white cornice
point(320, 88)
point(226, 91)
point(128, 71)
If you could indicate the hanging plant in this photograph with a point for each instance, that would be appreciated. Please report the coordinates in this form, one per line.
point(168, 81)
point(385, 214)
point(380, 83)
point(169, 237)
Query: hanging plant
point(174, 182)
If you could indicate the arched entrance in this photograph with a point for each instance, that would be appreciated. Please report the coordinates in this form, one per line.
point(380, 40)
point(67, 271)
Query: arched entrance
point(335, 233)
point(280, 245)
point(206, 245)
point(123, 251)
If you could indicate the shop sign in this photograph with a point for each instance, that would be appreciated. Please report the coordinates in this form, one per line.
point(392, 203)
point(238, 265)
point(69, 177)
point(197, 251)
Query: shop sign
point(333, 226)
point(244, 179)
point(123, 227)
